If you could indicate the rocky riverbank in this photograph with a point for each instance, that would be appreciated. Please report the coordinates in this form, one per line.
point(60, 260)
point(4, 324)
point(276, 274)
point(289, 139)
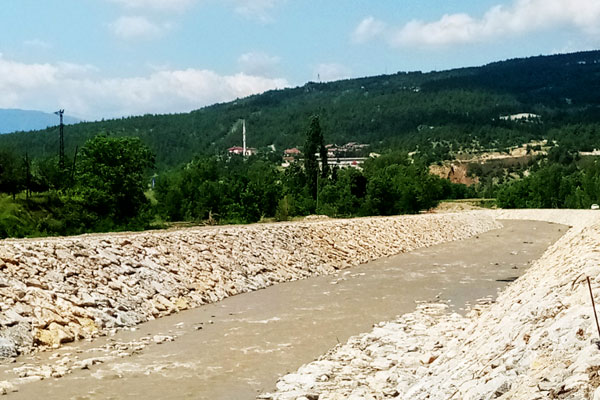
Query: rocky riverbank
point(58, 290)
point(538, 340)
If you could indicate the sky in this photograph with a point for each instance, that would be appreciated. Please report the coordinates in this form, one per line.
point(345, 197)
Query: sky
point(111, 58)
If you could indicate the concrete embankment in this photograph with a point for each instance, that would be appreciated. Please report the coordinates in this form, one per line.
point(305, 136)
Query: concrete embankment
point(58, 290)
point(538, 340)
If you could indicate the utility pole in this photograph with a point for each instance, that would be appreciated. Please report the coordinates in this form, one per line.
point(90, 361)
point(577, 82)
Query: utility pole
point(61, 150)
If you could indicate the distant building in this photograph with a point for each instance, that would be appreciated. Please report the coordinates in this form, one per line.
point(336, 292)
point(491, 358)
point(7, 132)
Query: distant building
point(244, 150)
point(352, 149)
point(525, 117)
point(349, 155)
point(237, 150)
point(347, 162)
point(291, 155)
point(293, 152)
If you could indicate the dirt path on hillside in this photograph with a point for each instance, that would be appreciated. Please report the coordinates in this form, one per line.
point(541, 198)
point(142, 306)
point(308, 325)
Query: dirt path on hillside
point(238, 347)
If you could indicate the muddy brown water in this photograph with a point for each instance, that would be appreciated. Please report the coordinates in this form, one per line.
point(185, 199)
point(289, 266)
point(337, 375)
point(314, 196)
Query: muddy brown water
point(238, 347)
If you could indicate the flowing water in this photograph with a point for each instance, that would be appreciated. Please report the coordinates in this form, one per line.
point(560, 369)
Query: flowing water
point(238, 347)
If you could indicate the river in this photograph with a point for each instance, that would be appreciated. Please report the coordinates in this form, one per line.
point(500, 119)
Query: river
point(238, 347)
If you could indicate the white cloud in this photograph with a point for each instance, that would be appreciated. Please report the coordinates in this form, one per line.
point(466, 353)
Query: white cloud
point(259, 10)
point(256, 9)
point(521, 17)
point(37, 44)
point(78, 90)
point(161, 5)
point(137, 27)
point(331, 72)
point(257, 63)
point(368, 29)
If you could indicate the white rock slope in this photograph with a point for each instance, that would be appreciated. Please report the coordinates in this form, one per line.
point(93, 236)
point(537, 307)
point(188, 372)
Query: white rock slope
point(537, 341)
point(54, 291)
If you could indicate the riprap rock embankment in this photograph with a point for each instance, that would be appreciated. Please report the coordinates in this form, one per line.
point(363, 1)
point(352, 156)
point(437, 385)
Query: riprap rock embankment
point(538, 340)
point(58, 290)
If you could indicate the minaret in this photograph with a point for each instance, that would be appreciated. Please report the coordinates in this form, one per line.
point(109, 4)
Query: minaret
point(244, 133)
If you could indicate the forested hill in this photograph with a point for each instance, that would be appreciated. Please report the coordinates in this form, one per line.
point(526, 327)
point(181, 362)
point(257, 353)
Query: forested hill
point(458, 107)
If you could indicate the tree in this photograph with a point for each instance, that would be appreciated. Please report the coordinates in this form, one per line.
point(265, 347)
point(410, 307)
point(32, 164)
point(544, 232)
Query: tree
point(295, 187)
point(110, 179)
point(12, 177)
point(48, 174)
point(231, 190)
point(397, 186)
point(313, 145)
point(323, 154)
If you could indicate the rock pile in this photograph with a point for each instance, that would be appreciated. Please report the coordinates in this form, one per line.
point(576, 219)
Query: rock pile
point(373, 365)
point(537, 341)
point(72, 359)
point(54, 291)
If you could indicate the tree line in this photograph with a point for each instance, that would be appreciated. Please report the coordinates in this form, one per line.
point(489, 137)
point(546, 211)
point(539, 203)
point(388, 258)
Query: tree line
point(431, 116)
point(238, 190)
point(108, 188)
point(102, 191)
point(562, 180)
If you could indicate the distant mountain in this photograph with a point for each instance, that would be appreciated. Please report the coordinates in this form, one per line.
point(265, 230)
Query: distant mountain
point(14, 120)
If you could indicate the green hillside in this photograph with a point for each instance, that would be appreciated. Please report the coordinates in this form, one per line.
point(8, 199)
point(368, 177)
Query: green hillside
point(458, 108)
point(414, 120)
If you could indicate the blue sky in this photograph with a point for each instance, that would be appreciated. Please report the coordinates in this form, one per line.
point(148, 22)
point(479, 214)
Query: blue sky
point(110, 58)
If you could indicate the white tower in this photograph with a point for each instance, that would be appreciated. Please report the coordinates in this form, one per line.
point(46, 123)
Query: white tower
point(244, 133)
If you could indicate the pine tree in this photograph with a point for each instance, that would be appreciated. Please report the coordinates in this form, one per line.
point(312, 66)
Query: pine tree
point(323, 154)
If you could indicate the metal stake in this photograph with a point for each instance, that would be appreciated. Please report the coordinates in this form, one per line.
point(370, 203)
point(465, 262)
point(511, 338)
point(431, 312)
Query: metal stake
point(593, 304)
